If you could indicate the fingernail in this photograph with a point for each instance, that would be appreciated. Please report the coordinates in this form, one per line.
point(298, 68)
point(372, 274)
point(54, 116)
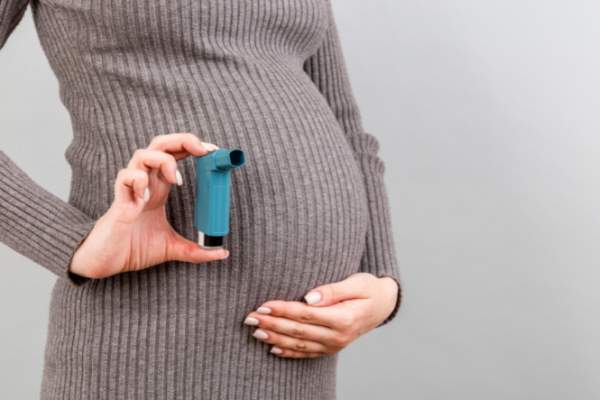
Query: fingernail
point(276, 350)
point(313, 298)
point(146, 195)
point(209, 146)
point(179, 178)
point(251, 321)
point(262, 335)
point(264, 310)
point(226, 255)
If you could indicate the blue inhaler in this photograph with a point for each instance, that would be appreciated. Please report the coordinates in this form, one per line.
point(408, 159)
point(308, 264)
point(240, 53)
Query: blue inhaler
point(213, 183)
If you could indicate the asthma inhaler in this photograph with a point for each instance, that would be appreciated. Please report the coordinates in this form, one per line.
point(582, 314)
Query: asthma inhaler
point(213, 183)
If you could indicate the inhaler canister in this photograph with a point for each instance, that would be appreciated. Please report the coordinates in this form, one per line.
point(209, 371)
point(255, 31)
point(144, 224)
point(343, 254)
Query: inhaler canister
point(213, 186)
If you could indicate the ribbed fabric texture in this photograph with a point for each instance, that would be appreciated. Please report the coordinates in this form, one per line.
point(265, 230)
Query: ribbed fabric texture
point(308, 208)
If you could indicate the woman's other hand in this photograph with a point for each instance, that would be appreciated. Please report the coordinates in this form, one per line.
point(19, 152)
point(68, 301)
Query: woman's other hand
point(134, 233)
point(336, 315)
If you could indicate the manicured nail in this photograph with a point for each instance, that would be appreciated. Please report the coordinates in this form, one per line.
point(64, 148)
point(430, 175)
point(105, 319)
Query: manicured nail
point(276, 350)
point(313, 298)
point(264, 310)
point(226, 255)
point(251, 321)
point(262, 335)
point(209, 146)
point(146, 195)
point(179, 178)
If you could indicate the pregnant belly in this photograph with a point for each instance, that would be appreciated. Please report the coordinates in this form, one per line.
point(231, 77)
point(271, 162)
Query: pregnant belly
point(298, 212)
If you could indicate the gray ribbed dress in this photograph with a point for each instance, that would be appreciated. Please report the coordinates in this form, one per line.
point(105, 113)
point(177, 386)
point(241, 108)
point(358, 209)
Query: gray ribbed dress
point(309, 208)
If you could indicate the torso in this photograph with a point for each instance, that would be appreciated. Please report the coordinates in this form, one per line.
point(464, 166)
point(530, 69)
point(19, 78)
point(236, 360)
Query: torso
point(232, 73)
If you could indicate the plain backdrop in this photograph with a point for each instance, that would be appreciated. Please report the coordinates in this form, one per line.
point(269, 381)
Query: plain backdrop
point(488, 116)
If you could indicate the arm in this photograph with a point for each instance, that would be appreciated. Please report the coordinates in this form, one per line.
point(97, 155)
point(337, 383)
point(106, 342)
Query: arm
point(11, 13)
point(132, 235)
point(37, 224)
point(327, 70)
point(34, 222)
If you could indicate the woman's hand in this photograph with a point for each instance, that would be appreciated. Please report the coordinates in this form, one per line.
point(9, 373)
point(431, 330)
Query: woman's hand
point(336, 315)
point(134, 233)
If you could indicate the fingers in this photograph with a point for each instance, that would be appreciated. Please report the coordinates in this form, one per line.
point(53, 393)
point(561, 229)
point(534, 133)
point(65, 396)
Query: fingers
point(298, 330)
point(165, 150)
point(146, 160)
point(357, 286)
point(290, 343)
point(181, 249)
point(287, 353)
point(131, 182)
point(296, 311)
point(181, 145)
point(290, 327)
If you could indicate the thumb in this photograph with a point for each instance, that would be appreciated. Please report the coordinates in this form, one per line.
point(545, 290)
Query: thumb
point(356, 286)
point(181, 249)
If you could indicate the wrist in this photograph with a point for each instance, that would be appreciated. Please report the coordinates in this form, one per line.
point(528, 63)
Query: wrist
point(389, 289)
point(75, 266)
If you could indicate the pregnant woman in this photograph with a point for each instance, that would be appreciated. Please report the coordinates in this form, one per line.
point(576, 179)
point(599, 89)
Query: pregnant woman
point(139, 310)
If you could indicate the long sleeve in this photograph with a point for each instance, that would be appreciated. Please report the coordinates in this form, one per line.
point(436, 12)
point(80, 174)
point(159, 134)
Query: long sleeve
point(327, 70)
point(11, 13)
point(34, 222)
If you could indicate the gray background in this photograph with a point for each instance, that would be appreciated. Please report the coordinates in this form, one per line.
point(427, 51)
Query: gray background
point(488, 117)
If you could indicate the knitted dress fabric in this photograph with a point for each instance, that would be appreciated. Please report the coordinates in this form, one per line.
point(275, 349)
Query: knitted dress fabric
point(308, 208)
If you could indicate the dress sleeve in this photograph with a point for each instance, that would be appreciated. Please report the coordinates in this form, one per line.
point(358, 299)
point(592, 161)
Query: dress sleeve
point(34, 222)
point(327, 70)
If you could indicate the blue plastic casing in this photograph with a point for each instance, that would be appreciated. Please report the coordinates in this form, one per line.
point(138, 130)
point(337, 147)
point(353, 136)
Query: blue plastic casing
point(213, 185)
